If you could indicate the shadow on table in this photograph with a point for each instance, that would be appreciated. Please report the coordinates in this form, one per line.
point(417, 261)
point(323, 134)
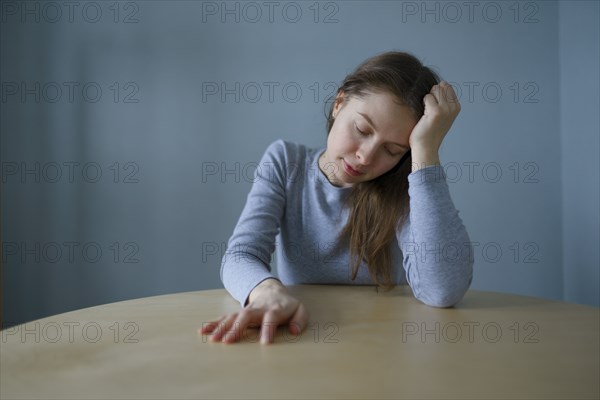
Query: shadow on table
point(475, 299)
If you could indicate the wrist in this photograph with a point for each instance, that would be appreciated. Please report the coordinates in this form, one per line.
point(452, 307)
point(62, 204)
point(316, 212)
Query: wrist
point(269, 283)
point(424, 157)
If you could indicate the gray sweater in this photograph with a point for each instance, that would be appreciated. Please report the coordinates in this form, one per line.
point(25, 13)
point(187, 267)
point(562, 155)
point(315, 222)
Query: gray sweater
point(294, 210)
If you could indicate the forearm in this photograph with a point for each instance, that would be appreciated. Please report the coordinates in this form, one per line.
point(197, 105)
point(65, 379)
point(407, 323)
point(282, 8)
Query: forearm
point(246, 262)
point(423, 157)
point(241, 273)
point(435, 243)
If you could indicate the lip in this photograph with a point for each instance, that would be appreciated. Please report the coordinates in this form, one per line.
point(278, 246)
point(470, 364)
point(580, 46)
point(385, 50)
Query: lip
point(349, 170)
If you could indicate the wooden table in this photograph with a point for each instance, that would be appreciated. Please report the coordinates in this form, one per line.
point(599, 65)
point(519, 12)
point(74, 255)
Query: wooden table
point(359, 344)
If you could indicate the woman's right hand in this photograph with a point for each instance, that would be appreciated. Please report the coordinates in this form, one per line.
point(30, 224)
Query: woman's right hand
point(269, 305)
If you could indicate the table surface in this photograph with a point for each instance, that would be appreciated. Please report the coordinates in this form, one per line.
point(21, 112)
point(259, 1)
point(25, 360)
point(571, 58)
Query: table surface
point(360, 343)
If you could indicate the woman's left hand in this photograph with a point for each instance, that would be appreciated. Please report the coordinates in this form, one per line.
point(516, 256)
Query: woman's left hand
point(441, 108)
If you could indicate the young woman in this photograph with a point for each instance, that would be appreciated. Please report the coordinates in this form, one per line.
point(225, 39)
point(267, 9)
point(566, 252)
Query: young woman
point(374, 199)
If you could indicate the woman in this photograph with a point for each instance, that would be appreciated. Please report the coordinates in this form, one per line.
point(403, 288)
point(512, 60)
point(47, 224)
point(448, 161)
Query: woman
point(374, 199)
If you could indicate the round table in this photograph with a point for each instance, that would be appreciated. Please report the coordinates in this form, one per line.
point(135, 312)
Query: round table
point(360, 343)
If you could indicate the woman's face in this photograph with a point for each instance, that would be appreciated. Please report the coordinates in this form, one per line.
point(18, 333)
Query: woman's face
point(369, 136)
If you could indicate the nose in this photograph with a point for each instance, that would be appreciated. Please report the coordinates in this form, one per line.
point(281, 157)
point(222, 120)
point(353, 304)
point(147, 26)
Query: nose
point(365, 154)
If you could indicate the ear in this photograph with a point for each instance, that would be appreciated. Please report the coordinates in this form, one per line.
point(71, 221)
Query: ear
point(339, 100)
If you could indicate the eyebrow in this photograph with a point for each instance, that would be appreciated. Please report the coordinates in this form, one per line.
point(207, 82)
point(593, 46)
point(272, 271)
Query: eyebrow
point(365, 116)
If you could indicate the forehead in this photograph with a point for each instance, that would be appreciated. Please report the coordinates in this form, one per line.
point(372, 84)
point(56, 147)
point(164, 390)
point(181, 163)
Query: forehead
point(377, 100)
point(385, 111)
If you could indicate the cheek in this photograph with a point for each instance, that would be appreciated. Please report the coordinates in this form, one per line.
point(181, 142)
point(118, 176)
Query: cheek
point(387, 164)
point(341, 139)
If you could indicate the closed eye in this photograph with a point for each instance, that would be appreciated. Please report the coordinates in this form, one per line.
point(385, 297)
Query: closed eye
point(359, 131)
point(392, 153)
point(362, 133)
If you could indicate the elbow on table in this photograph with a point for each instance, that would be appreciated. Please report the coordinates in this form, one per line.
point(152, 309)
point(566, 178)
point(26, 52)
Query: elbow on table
point(445, 297)
point(442, 284)
point(442, 301)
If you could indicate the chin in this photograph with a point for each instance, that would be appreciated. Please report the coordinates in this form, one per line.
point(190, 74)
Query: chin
point(354, 181)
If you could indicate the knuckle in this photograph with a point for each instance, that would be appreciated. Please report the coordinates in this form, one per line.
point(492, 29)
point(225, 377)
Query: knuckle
point(246, 312)
point(276, 309)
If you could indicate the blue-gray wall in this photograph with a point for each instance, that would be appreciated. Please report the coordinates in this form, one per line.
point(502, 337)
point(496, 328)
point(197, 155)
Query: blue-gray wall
point(580, 132)
point(190, 98)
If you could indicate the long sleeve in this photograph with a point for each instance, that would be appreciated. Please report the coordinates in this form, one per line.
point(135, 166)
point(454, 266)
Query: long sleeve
point(246, 262)
point(437, 252)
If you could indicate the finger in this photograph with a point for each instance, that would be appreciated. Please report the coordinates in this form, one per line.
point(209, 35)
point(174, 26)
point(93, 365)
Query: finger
point(431, 103)
point(210, 326)
point(238, 327)
point(447, 94)
point(269, 326)
point(299, 320)
point(439, 93)
point(223, 327)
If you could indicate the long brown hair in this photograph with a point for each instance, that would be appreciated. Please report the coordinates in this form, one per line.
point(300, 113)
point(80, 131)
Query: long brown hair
point(379, 206)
